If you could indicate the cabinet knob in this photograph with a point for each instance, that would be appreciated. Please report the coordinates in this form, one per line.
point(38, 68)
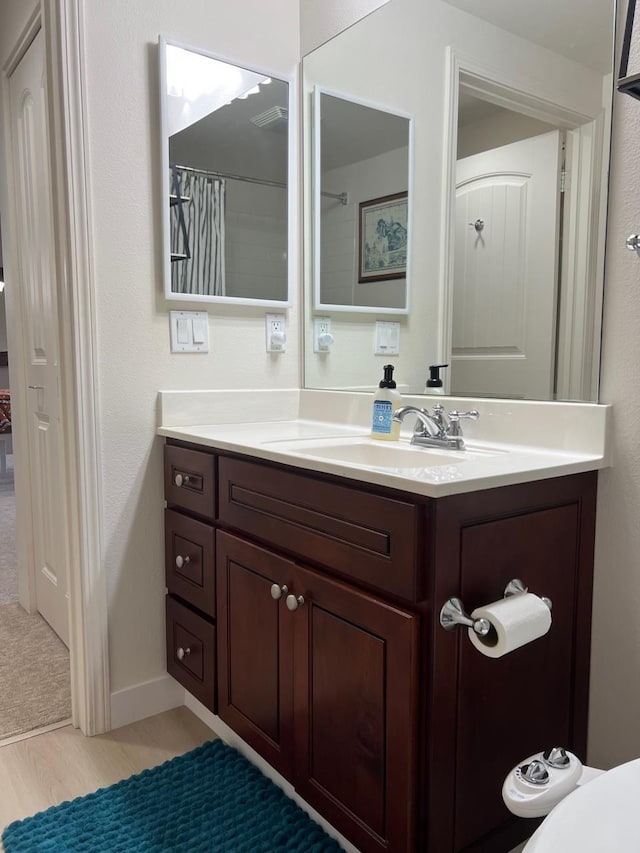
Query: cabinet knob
point(182, 561)
point(278, 591)
point(293, 602)
point(181, 480)
point(181, 654)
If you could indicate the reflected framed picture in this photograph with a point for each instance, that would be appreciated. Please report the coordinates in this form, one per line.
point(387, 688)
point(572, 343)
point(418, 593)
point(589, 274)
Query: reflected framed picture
point(383, 238)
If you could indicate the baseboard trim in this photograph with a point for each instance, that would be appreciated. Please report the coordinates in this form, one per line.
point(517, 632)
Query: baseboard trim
point(226, 734)
point(144, 700)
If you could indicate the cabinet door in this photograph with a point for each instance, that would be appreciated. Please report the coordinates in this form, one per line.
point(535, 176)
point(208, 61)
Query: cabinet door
point(355, 703)
point(522, 702)
point(255, 648)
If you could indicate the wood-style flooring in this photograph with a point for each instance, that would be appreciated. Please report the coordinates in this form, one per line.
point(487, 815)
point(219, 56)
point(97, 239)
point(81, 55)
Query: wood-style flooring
point(46, 769)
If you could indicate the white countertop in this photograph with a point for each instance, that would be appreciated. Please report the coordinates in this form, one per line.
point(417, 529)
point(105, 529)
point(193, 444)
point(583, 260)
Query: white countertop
point(315, 444)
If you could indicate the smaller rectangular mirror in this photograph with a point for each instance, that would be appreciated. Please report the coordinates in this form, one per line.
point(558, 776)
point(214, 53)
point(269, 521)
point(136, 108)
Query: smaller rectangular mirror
point(226, 137)
point(362, 207)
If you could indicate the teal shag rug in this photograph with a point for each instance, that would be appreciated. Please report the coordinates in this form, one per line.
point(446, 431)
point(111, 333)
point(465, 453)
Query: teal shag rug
point(211, 799)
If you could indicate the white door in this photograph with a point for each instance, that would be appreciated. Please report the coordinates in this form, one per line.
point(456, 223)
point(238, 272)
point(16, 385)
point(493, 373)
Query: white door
point(506, 269)
point(39, 310)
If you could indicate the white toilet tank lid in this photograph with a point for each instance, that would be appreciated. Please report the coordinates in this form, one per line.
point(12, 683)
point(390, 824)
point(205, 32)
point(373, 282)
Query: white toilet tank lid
point(600, 816)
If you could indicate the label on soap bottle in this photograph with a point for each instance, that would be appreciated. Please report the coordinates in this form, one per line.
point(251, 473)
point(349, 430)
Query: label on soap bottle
point(382, 415)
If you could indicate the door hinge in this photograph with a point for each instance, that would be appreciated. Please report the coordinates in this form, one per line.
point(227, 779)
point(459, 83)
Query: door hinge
point(563, 180)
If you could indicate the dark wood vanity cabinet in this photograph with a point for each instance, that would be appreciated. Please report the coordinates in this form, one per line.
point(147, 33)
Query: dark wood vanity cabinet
point(322, 681)
point(330, 659)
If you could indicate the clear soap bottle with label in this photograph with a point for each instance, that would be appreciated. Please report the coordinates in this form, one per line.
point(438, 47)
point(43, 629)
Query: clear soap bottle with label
point(385, 401)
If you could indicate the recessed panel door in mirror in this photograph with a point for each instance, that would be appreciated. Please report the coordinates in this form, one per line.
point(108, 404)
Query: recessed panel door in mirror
point(506, 268)
point(362, 206)
point(226, 177)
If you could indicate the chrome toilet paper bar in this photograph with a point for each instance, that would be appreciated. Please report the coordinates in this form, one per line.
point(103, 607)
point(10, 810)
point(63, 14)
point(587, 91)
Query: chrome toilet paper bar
point(453, 613)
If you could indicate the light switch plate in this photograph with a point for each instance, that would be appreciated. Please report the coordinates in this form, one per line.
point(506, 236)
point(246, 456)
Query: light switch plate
point(387, 338)
point(189, 331)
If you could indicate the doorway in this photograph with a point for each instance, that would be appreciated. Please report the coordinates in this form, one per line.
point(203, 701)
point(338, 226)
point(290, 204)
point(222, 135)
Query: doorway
point(68, 263)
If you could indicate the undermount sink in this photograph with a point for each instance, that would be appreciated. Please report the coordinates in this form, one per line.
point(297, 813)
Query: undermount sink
point(374, 454)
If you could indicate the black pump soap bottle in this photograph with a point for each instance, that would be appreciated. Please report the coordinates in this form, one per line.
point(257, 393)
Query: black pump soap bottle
point(434, 382)
point(385, 401)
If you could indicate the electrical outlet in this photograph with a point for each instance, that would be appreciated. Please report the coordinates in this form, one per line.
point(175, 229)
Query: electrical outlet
point(322, 337)
point(276, 332)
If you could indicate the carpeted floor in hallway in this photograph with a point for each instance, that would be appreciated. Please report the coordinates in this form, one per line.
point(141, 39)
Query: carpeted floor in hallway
point(35, 688)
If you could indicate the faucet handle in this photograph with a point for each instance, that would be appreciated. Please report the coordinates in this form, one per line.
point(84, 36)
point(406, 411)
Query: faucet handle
point(440, 418)
point(455, 417)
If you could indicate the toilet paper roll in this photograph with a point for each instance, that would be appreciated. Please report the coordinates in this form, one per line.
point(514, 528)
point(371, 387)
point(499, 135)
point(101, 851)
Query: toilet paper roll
point(514, 621)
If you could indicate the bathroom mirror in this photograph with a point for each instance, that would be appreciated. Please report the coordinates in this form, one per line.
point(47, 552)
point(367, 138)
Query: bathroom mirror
point(226, 135)
point(510, 107)
point(361, 205)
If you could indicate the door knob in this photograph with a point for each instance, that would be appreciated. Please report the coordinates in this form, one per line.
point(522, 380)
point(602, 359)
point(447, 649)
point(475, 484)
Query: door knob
point(181, 654)
point(278, 591)
point(293, 602)
point(181, 480)
point(182, 561)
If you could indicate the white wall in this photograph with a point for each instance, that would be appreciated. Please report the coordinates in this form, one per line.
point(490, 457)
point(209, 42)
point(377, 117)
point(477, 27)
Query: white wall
point(375, 177)
point(134, 361)
point(501, 128)
point(256, 241)
point(320, 20)
point(614, 734)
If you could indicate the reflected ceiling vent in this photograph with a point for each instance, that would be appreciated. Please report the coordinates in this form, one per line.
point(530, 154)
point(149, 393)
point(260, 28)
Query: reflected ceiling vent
point(272, 119)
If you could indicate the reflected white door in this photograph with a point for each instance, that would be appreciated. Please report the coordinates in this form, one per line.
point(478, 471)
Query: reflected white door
point(39, 310)
point(506, 269)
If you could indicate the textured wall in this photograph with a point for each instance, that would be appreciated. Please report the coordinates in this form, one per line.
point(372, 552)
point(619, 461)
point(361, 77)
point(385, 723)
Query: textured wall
point(133, 327)
point(615, 673)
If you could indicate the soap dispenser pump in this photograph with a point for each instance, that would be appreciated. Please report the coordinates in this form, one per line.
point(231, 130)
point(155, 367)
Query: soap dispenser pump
point(434, 382)
point(385, 401)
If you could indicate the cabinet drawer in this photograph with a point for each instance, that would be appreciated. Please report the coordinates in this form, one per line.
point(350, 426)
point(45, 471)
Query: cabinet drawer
point(367, 537)
point(191, 651)
point(190, 560)
point(189, 480)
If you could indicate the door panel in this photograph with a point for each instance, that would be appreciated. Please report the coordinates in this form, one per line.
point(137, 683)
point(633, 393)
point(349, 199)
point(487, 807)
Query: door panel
point(506, 269)
point(254, 648)
point(39, 310)
point(355, 653)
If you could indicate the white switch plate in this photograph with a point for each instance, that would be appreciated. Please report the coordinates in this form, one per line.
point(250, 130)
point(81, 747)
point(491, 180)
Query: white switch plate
point(387, 339)
point(321, 327)
point(276, 332)
point(189, 331)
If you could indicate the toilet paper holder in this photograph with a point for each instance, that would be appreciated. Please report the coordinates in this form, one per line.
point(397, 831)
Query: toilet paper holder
point(453, 613)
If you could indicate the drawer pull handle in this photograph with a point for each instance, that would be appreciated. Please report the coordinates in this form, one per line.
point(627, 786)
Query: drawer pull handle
point(181, 654)
point(278, 591)
point(181, 480)
point(293, 602)
point(182, 561)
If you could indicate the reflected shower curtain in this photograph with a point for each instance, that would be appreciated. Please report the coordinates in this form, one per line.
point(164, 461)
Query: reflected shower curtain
point(200, 234)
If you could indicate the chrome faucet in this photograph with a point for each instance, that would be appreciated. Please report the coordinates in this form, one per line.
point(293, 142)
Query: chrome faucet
point(437, 429)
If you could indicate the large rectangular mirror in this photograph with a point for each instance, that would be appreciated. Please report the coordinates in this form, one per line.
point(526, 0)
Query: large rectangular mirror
point(511, 112)
point(226, 133)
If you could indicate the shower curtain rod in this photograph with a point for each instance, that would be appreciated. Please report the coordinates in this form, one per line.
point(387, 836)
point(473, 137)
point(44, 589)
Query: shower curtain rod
point(343, 197)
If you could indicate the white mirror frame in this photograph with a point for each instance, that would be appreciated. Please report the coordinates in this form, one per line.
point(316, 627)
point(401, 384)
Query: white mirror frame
point(292, 186)
point(316, 183)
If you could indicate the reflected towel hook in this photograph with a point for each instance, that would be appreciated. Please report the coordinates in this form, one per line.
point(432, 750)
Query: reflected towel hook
point(478, 225)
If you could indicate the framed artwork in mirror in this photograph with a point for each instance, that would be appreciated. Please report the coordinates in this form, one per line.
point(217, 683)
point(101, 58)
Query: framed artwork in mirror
point(382, 241)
